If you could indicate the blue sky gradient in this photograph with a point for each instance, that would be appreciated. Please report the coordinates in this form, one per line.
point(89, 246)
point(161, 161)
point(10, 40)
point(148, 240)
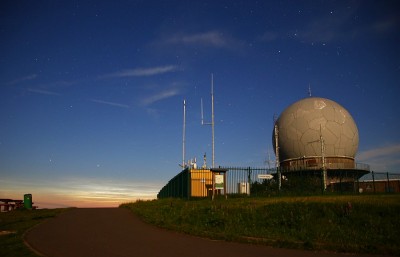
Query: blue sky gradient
point(91, 92)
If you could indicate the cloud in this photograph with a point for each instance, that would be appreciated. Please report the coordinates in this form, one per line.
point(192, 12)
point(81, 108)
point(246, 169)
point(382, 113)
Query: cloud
point(213, 39)
point(161, 95)
point(333, 26)
point(109, 103)
point(342, 25)
point(379, 152)
point(22, 79)
point(43, 92)
point(142, 72)
point(382, 159)
point(386, 25)
point(269, 36)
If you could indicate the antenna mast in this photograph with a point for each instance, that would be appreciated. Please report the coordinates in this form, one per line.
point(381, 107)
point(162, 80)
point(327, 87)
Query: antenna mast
point(277, 160)
point(309, 90)
point(321, 139)
point(184, 134)
point(212, 119)
point(324, 172)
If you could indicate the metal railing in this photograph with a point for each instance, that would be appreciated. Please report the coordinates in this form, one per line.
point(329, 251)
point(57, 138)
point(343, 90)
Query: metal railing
point(332, 166)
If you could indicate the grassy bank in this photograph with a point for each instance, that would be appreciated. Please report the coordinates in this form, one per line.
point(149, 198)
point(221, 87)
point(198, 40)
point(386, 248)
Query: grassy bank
point(14, 224)
point(362, 223)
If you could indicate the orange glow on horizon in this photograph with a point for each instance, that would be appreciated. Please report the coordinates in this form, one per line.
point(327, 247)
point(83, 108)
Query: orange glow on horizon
point(81, 193)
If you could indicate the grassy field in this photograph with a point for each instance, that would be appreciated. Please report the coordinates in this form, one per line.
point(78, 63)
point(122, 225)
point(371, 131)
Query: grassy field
point(14, 224)
point(357, 224)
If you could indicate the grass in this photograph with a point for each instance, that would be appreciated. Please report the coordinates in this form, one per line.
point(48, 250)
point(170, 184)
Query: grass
point(17, 223)
point(355, 224)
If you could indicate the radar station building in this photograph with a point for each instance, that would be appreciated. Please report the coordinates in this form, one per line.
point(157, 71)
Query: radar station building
point(317, 134)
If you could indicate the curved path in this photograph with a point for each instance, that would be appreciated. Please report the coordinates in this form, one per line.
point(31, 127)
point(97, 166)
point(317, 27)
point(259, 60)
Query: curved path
point(112, 232)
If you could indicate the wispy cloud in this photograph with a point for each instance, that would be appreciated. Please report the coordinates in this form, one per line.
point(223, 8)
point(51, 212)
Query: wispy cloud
point(142, 72)
point(22, 79)
point(43, 92)
point(327, 28)
point(110, 103)
point(269, 36)
point(341, 25)
point(379, 152)
point(382, 159)
point(338, 25)
point(386, 25)
point(161, 95)
point(214, 39)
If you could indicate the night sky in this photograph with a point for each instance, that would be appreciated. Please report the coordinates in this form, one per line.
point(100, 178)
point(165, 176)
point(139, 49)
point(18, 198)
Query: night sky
point(91, 92)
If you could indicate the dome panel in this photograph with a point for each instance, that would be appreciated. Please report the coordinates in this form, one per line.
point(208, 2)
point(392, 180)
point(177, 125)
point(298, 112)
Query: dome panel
point(310, 136)
point(334, 128)
point(318, 123)
point(340, 116)
point(329, 137)
point(329, 113)
point(302, 125)
point(319, 104)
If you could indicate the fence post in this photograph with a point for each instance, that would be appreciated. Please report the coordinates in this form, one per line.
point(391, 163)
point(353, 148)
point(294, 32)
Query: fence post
point(373, 181)
point(249, 178)
point(189, 184)
point(388, 182)
point(278, 171)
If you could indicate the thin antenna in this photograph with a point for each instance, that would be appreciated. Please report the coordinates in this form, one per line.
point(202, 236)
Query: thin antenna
point(184, 135)
point(202, 112)
point(321, 139)
point(322, 143)
point(277, 161)
point(274, 119)
point(309, 90)
point(268, 160)
point(276, 135)
point(212, 119)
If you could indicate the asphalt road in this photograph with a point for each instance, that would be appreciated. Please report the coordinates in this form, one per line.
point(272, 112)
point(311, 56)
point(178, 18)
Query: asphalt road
point(109, 232)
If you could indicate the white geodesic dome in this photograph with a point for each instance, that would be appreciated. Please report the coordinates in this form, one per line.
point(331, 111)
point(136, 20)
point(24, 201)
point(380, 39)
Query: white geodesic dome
point(301, 125)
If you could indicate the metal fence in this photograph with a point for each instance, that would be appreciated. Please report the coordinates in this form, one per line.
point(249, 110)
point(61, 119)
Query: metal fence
point(252, 181)
point(379, 182)
point(198, 182)
point(178, 186)
point(241, 179)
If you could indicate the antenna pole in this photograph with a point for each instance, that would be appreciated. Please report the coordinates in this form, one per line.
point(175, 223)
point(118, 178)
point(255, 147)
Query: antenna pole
point(212, 119)
point(278, 169)
point(309, 90)
point(184, 134)
point(202, 112)
point(323, 159)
